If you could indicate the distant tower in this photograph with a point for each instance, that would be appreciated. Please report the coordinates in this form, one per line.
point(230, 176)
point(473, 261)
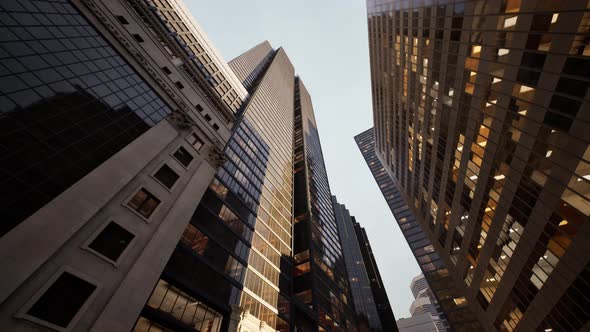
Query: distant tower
point(370, 299)
point(425, 302)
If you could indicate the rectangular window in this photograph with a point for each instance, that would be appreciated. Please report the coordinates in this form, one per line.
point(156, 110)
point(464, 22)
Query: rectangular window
point(112, 241)
point(138, 38)
point(166, 70)
point(62, 300)
point(166, 176)
point(179, 85)
point(183, 156)
point(207, 117)
point(215, 126)
point(122, 20)
point(195, 141)
point(144, 203)
point(199, 108)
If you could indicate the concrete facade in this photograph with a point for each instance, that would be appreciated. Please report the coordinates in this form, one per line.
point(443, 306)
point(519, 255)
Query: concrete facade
point(62, 230)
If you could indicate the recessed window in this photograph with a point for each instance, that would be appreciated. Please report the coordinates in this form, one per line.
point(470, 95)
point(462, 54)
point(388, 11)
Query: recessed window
point(542, 22)
point(565, 105)
point(195, 141)
point(533, 60)
point(62, 300)
point(112, 241)
point(215, 126)
point(138, 38)
point(183, 156)
point(144, 203)
point(207, 117)
point(573, 87)
point(166, 176)
point(199, 108)
point(166, 70)
point(122, 20)
point(179, 85)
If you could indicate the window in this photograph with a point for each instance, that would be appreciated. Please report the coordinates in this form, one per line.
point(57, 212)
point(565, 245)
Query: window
point(168, 299)
point(179, 85)
point(122, 20)
point(138, 38)
point(542, 22)
point(145, 325)
point(112, 241)
point(166, 70)
point(183, 156)
point(60, 303)
point(144, 203)
point(215, 126)
point(207, 117)
point(166, 176)
point(199, 108)
point(195, 141)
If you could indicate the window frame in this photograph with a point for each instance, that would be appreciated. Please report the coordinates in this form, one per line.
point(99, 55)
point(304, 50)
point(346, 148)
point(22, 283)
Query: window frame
point(134, 192)
point(157, 169)
point(86, 245)
point(138, 38)
point(22, 312)
point(186, 138)
point(178, 161)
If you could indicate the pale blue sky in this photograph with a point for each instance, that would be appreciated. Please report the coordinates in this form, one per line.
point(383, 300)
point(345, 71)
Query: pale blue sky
point(326, 41)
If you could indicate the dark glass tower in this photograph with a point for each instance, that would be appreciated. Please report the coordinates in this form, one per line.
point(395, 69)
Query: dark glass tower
point(377, 287)
point(321, 283)
point(481, 117)
point(368, 292)
point(429, 261)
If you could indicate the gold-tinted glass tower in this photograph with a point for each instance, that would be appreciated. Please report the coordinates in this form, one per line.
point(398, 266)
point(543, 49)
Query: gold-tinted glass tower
point(481, 116)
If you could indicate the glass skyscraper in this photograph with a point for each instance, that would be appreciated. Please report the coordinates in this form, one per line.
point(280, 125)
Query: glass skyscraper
point(262, 250)
point(481, 117)
point(433, 268)
point(360, 287)
point(320, 284)
point(370, 299)
point(239, 237)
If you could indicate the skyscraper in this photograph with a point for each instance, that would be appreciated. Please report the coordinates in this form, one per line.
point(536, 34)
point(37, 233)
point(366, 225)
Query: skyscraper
point(234, 267)
point(112, 120)
point(148, 185)
point(377, 287)
point(481, 117)
point(360, 285)
point(322, 297)
point(433, 268)
point(239, 239)
point(425, 302)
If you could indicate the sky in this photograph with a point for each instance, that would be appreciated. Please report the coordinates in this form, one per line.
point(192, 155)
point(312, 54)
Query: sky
point(327, 43)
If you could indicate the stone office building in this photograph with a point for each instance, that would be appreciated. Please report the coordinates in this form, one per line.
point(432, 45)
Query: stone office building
point(114, 116)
